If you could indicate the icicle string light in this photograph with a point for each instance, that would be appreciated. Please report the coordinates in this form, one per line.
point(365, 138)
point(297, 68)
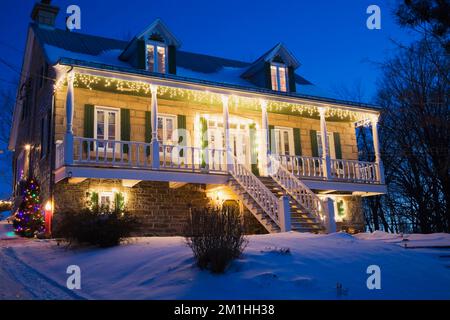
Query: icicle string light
point(92, 82)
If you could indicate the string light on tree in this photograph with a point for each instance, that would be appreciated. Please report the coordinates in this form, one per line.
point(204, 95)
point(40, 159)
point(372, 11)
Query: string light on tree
point(29, 221)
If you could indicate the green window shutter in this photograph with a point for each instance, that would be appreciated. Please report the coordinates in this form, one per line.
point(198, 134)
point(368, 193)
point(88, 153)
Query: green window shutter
point(268, 78)
point(271, 137)
point(172, 58)
point(337, 145)
point(148, 129)
point(314, 146)
point(204, 139)
point(125, 127)
point(291, 79)
point(297, 142)
point(181, 120)
point(253, 149)
point(88, 124)
point(141, 54)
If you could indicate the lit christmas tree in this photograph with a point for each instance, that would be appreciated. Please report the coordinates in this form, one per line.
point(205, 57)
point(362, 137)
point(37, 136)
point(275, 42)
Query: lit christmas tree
point(29, 220)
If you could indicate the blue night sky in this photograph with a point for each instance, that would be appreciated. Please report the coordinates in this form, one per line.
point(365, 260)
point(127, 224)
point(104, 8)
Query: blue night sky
point(329, 38)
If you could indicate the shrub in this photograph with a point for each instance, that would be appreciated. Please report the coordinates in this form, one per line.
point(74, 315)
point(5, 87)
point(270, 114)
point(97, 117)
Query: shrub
point(216, 237)
point(95, 227)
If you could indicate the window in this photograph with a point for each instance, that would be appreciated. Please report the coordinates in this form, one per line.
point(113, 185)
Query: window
point(156, 57)
point(107, 127)
point(330, 144)
point(284, 141)
point(105, 200)
point(166, 127)
point(278, 75)
point(45, 134)
point(340, 207)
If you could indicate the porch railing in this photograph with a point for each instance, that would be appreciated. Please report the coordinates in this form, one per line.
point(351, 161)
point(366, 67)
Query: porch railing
point(359, 171)
point(311, 167)
point(192, 158)
point(345, 170)
point(298, 190)
point(138, 155)
point(256, 189)
point(59, 154)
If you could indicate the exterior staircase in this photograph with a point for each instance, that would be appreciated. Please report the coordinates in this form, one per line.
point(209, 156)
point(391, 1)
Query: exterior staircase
point(280, 202)
point(301, 220)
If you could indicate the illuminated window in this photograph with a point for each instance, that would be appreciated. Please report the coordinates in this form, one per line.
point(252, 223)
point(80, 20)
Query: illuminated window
point(284, 141)
point(106, 127)
point(156, 57)
point(330, 144)
point(278, 75)
point(105, 200)
point(166, 127)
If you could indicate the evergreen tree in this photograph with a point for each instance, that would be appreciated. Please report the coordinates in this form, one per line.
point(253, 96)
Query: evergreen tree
point(28, 221)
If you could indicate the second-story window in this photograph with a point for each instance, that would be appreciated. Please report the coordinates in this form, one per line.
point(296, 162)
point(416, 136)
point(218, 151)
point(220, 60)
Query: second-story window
point(278, 74)
point(156, 57)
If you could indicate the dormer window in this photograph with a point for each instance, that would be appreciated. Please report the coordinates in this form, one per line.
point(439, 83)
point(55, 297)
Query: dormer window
point(156, 57)
point(279, 76)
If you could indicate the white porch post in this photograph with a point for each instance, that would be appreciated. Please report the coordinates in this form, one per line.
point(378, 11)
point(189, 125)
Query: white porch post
point(264, 138)
point(154, 112)
point(68, 137)
point(325, 144)
point(284, 214)
point(226, 133)
point(376, 147)
point(330, 219)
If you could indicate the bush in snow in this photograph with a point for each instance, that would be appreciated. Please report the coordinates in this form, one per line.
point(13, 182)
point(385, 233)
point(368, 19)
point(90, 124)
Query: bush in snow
point(95, 226)
point(216, 237)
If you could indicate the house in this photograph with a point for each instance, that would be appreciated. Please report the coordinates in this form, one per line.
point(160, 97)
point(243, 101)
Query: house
point(164, 131)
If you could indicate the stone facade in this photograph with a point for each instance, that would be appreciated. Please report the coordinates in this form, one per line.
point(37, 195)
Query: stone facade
point(161, 210)
point(138, 105)
point(353, 221)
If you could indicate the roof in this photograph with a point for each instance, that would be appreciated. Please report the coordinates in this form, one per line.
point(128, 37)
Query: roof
point(104, 53)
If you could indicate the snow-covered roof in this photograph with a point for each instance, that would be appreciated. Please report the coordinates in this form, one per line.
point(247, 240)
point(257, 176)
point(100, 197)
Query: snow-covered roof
point(87, 49)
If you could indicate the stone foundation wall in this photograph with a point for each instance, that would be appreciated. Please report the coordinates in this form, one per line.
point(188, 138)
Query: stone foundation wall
point(161, 210)
point(353, 221)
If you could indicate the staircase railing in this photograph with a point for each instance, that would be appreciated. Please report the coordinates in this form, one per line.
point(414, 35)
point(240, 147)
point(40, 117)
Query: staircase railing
point(297, 189)
point(256, 189)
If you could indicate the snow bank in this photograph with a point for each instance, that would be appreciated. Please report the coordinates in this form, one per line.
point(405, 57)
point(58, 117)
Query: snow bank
point(280, 266)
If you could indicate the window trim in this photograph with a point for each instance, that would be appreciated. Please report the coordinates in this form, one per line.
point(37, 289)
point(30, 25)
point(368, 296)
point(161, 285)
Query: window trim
point(155, 45)
point(105, 194)
point(175, 126)
point(118, 133)
point(332, 149)
point(290, 138)
point(279, 65)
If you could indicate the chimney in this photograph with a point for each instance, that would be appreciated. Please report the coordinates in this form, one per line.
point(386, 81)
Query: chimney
point(44, 13)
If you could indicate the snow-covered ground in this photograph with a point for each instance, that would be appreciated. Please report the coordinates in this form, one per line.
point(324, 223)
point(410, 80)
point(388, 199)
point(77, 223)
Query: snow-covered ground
point(163, 268)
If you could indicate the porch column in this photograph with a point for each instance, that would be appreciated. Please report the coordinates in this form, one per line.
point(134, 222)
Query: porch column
point(68, 137)
point(226, 129)
point(325, 144)
point(264, 138)
point(376, 146)
point(330, 223)
point(154, 113)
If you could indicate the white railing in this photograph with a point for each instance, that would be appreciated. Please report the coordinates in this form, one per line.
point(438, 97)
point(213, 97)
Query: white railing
point(313, 167)
point(111, 152)
point(302, 166)
point(353, 170)
point(137, 155)
point(59, 154)
point(297, 189)
point(192, 158)
point(256, 189)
